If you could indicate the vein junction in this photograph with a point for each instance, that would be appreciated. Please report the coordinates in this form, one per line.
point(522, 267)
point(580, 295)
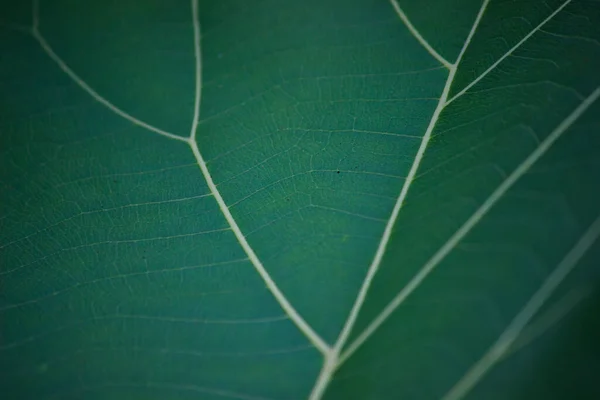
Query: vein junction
point(190, 140)
point(339, 355)
point(336, 358)
point(474, 219)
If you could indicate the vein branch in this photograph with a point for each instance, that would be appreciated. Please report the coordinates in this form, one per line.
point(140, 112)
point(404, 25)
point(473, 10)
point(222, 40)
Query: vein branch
point(443, 251)
point(285, 304)
point(546, 321)
point(497, 351)
point(85, 86)
point(304, 327)
point(418, 35)
point(336, 357)
point(35, 18)
point(198, 71)
point(509, 52)
point(373, 268)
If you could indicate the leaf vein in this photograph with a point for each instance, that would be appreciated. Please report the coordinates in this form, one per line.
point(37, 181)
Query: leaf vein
point(503, 344)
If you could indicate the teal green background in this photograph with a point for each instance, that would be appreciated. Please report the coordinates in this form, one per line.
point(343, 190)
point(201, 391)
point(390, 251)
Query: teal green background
point(120, 278)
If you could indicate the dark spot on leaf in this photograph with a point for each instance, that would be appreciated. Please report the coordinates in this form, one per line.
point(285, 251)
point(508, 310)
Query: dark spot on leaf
point(338, 172)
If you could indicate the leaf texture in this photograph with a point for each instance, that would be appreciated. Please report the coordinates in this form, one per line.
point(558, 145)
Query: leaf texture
point(364, 199)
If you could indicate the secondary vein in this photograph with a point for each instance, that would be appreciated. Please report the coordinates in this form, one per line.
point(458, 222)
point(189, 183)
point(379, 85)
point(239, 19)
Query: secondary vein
point(443, 251)
point(502, 345)
point(285, 304)
point(302, 325)
point(415, 32)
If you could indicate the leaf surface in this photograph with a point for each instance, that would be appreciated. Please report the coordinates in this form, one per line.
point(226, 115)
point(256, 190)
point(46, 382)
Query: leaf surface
point(290, 200)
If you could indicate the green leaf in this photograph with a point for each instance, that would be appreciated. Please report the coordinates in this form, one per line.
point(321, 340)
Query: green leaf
point(361, 199)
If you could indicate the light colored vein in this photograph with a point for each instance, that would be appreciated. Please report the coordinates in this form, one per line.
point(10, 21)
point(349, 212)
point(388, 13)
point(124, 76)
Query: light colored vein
point(418, 35)
point(514, 329)
point(95, 95)
point(198, 73)
point(509, 52)
point(373, 268)
point(304, 327)
point(35, 17)
point(547, 320)
point(472, 221)
point(336, 358)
